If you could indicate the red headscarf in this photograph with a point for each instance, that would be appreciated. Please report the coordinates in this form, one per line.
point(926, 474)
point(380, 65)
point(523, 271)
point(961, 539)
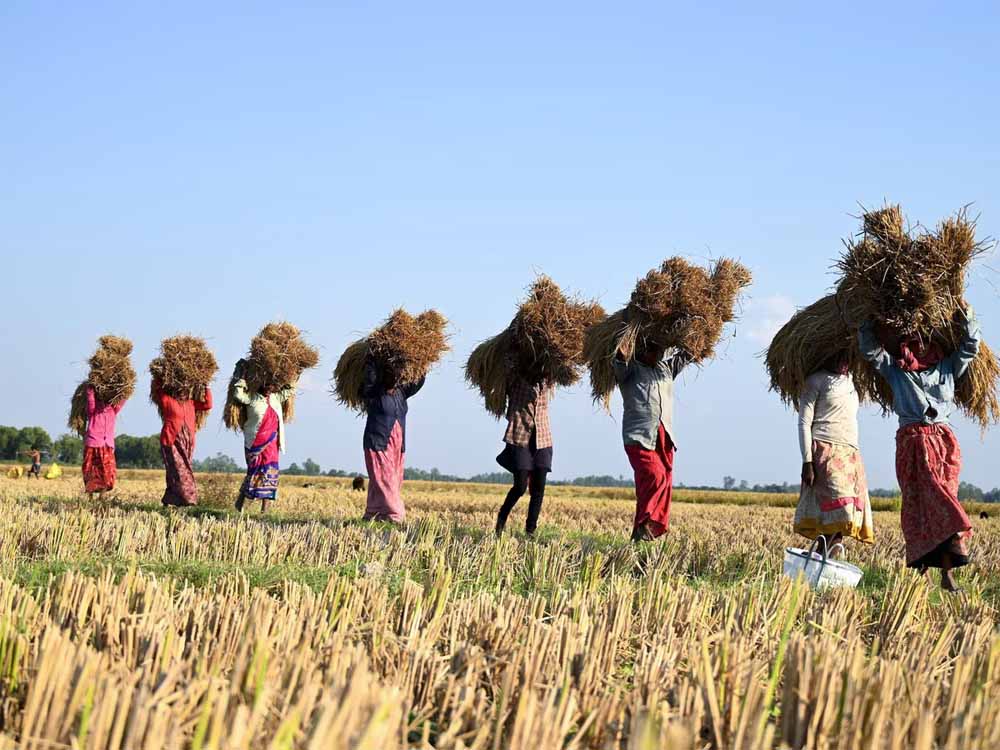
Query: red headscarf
point(917, 355)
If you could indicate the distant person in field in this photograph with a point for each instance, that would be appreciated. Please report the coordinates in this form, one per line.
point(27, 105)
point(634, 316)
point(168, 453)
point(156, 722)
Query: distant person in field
point(177, 440)
point(99, 469)
point(833, 502)
point(263, 438)
point(36, 462)
point(386, 403)
point(646, 383)
point(527, 452)
point(928, 459)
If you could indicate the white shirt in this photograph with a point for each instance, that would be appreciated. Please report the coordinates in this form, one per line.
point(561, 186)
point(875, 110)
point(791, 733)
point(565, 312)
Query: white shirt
point(257, 408)
point(828, 412)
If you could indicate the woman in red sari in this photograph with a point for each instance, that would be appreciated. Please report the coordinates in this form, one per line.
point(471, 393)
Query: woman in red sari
point(928, 459)
point(99, 469)
point(180, 424)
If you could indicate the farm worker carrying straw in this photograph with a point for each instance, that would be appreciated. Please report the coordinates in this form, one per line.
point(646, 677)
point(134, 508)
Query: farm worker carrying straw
point(928, 458)
point(646, 382)
point(36, 462)
point(517, 372)
point(99, 468)
point(834, 501)
point(386, 403)
point(263, 437)
point(527, 453)
point(177, 441)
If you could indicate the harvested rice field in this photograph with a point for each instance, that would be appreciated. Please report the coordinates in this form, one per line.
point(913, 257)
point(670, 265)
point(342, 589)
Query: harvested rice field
point(135, 627)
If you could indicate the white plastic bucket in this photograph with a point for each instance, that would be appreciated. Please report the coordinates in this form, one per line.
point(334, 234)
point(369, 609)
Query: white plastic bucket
point(819, 570)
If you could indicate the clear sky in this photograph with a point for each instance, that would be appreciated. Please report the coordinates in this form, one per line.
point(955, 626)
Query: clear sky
point(207, 167)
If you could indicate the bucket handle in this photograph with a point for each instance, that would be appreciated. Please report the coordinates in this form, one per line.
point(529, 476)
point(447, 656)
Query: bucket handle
point(826, 555)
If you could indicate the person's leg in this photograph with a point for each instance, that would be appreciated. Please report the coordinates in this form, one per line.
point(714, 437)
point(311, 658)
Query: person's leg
point(649, 483)
point(516, 492)
point(263, 505)
point(947, 579)
point(537, 495)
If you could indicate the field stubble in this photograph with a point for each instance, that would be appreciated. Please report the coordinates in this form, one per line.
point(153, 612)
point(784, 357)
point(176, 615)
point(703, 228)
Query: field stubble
point(134, 627)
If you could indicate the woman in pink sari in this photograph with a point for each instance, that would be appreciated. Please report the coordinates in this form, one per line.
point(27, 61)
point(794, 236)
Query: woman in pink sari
point(385, 442)
point(263, 439)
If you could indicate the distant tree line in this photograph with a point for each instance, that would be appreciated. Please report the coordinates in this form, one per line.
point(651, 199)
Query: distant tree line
point(144, 453)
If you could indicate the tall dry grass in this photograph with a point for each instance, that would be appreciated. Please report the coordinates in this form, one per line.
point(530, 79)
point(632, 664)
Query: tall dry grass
point(436, 635)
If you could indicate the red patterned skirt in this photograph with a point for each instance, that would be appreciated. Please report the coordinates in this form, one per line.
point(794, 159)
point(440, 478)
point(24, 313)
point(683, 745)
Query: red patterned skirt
point(181, 487)
point(99, 469)
point(928, 462)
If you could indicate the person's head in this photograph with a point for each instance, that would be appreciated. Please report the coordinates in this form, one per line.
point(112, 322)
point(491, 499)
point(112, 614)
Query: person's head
point(651, 355)
point(838, 364)
point(889, 338)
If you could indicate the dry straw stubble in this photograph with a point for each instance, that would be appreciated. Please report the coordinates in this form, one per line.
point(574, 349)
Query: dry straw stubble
point(404, 348)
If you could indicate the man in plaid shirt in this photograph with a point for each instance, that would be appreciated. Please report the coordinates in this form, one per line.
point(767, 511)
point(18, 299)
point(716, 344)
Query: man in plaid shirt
point(528, 448)
point(527, 415)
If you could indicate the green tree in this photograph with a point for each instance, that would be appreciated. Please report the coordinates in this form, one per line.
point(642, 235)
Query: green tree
point(68, 449)
point(967, 491)
point(8, 442)
point(138, 452)
point(294, 470)
point(220, 463)
point(311, 468)
point(33, 437)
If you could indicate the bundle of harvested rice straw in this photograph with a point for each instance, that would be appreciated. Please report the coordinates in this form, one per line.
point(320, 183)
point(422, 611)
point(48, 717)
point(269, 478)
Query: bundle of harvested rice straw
point(543, 345)
point(906, 279)
point(277, 358)
point(404, 348)
point(680, 306)
point(810, 339)
point(913, 281)
point(111, 375)
point(184, 369)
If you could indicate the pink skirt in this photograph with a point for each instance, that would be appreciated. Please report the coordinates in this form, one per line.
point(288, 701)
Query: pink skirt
point(385, 480)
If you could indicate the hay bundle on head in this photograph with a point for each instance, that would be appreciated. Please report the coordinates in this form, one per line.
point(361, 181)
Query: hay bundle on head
point(678, 306)
point(913, 281)
point(404, 347)
point(810, 339)
point(543, 345)
point(184, 369)
point(488, 369)
point(908, 278)
point(111, 375)
point(278, 356)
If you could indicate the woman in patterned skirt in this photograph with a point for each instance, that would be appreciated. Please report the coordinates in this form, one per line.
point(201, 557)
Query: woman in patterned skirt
point(99, 469)
point(177, 439)
point(833, 502)
point(263, 438)
point(928, 459)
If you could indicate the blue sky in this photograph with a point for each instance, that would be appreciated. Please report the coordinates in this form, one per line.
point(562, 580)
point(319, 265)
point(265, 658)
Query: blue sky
point(207, 168)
